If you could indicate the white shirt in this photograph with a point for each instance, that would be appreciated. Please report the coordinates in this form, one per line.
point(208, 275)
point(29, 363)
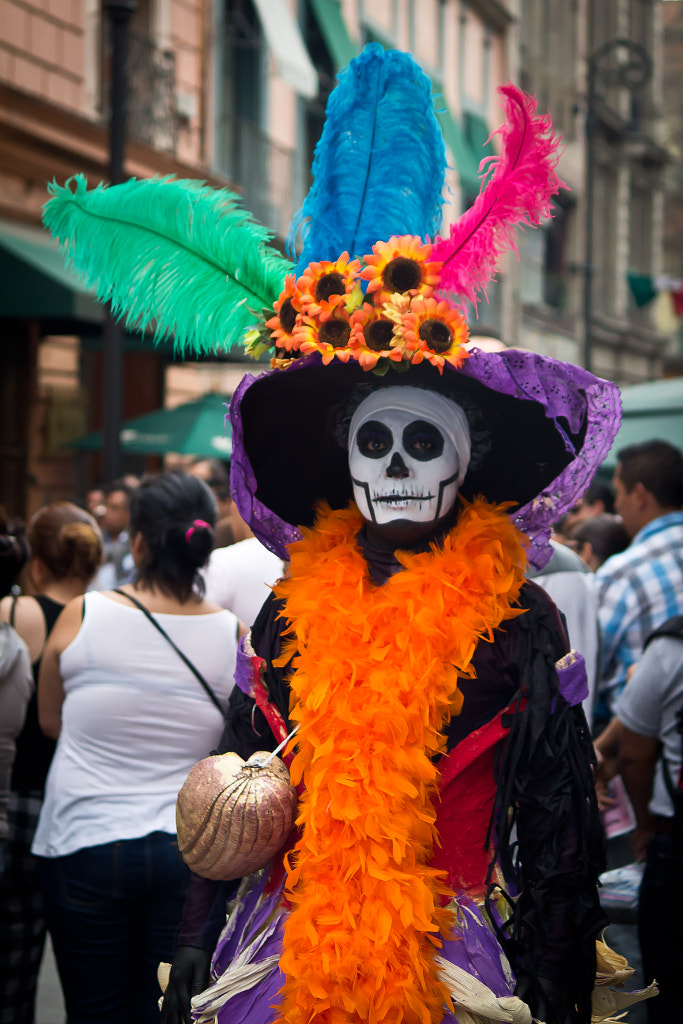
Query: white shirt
point(573, 589)
point(134, 721)
point(240, 577)
point(575, 594)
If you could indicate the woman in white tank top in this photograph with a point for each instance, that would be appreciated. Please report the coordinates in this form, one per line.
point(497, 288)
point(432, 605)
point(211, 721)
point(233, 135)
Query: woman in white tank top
point(135, 695)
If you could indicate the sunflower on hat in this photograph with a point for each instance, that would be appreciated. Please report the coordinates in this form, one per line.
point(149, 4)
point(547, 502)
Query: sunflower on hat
point(401, 265)
point(287, 310)
point(374, 337)
point(430, 329)
point(328, 284)
point(323, 311)
point(330, 337)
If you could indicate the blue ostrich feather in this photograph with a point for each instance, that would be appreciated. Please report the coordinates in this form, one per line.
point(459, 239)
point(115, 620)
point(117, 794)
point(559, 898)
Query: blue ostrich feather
point(379, 166)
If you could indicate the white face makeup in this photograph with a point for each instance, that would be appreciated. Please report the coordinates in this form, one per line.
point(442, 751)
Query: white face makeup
point(408, 453)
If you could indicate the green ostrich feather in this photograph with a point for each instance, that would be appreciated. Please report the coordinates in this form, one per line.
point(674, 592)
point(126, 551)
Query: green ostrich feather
point(177, 257)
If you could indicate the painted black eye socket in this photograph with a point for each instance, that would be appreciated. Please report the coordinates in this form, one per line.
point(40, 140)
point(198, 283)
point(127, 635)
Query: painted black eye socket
point(422, 440)
point(374, 439)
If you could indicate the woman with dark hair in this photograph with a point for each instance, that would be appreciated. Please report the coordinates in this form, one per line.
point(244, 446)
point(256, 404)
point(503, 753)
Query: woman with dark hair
point(66, 550)
point(134, 684)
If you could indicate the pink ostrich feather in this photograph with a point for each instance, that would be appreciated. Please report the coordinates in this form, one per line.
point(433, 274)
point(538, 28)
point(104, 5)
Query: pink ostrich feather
point(516, 191)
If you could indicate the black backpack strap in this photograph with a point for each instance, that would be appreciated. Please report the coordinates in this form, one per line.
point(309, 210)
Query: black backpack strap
point(12, 609)
point(672, 627)
point(675, 791)
point(180, 654)
point(668, 781)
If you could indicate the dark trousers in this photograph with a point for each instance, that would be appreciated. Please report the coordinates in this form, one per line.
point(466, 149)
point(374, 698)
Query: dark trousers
point(113, 912)
point(22, 922)
point(660, 927)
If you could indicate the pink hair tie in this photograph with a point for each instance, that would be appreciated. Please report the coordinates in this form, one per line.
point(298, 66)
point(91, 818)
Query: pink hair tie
point(190, 530)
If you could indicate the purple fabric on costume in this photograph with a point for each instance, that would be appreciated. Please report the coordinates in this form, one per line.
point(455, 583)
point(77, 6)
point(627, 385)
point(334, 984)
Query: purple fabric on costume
point(473, 948)
point(574, 681)
point(252, 913)
point(559, 387)
point(476, 949)
point(255, 1005)
point(244, 670)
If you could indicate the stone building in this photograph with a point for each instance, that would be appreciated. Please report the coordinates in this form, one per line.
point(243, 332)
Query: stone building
point(235, 91)
point(54, 103)
point(607, 232)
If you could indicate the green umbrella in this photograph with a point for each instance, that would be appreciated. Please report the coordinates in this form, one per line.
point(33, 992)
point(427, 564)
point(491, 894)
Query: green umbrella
point(651, 411)
point(196, 428)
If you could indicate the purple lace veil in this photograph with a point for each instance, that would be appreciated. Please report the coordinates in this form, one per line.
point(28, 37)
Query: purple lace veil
point(581, 410)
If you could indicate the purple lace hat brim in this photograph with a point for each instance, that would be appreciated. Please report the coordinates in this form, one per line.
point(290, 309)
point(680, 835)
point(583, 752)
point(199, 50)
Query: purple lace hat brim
point(584, 412)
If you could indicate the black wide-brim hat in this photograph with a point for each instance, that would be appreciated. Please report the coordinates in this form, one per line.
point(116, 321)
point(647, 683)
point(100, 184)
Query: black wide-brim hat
point(548, 424)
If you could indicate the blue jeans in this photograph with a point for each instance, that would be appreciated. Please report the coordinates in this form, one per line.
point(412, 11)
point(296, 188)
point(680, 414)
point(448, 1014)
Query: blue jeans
point(113, 912)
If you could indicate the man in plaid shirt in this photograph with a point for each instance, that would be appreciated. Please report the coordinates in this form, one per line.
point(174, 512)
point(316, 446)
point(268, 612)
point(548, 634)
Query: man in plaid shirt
point(643, 586)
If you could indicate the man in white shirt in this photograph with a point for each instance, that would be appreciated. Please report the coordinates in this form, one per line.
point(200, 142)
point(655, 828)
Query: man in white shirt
point(239, 577)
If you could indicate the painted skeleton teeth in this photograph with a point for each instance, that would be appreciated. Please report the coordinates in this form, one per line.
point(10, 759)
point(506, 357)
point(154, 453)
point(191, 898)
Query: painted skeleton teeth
point(405, 498)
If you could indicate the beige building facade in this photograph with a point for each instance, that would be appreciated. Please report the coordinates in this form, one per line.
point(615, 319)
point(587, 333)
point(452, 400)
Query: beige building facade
point(234, 91)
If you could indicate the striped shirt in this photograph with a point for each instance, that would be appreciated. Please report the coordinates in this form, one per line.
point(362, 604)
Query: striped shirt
point(638, 590)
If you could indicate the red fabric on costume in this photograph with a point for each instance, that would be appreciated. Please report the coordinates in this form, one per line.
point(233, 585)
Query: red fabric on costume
point(467, 790)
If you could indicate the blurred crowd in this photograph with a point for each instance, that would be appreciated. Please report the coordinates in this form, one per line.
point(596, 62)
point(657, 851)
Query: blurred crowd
point(155, 580)
point(142, 589)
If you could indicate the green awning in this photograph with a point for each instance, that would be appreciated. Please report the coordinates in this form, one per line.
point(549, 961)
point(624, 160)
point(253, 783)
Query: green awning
point(461, 151)
point(195, 428)
point(35, 280)
point(651, 411)
point(333, 29)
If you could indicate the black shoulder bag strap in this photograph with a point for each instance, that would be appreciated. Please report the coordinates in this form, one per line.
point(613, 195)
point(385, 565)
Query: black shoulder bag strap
point(195, 671)
point(673, 627)
point(674, 791)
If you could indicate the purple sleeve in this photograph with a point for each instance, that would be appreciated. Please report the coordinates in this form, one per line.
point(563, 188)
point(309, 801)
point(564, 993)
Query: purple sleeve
point(201, 897)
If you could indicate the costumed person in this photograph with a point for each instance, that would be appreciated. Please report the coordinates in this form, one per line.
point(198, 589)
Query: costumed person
point(444, 860)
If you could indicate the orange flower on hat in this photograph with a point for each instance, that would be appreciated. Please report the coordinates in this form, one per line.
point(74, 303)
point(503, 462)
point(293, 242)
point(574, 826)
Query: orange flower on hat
point(435, 331)
point(325, 286)
point(287, 310)
point(330, 337)
point(400, 265)
point(373, 337)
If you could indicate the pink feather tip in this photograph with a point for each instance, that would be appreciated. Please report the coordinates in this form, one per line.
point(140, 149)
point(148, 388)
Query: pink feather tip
point(516, 191)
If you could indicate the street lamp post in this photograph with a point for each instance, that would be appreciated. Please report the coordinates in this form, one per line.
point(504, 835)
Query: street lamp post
point(623, 63)
point(120, 12)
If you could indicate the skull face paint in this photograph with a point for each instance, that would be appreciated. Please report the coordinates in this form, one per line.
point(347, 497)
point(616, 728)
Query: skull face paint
point(409, 449)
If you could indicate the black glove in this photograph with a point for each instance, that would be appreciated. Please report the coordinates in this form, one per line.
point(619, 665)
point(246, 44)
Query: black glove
point(190, 974)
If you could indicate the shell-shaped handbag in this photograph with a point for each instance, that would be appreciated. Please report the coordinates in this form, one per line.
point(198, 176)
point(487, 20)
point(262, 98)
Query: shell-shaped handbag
point(233, 816)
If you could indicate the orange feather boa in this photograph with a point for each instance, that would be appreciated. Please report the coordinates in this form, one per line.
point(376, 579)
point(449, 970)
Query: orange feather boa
point(375, 681)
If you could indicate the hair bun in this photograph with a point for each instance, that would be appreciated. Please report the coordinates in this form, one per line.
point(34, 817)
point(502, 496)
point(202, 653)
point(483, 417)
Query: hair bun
point(80, 546)
point(192, 543)
point(197, 524)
